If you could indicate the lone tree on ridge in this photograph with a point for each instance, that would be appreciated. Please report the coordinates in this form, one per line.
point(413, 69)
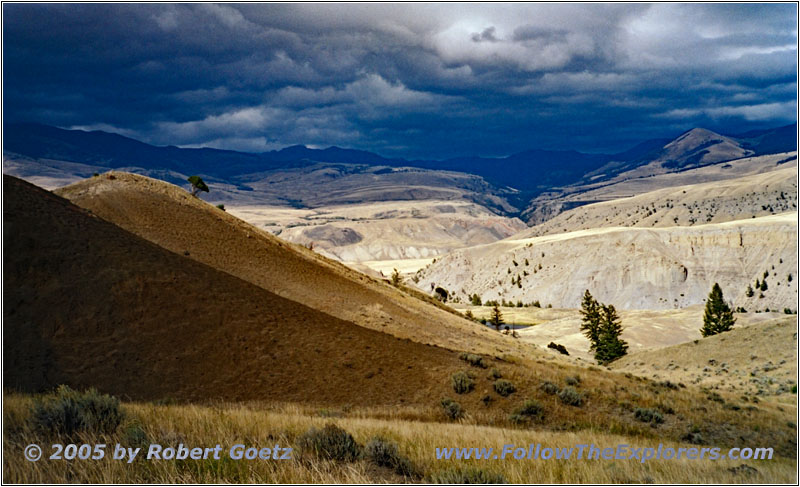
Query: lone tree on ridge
point(197, 184)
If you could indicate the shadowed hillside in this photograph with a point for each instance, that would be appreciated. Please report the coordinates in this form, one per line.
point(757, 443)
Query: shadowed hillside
point(89, 304)
point(169, 217)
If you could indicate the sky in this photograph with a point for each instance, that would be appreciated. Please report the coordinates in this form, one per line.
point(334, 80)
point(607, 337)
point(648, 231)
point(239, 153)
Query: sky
point(404, 80)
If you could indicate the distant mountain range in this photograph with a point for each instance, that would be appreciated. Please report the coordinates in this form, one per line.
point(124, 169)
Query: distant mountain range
point(530, 172)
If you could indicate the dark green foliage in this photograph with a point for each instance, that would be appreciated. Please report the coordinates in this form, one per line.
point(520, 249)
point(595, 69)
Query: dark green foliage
point(497, 317)
point(558, 347)
point(504, 387)
point(452, 409)
point(549, 388)
point(789, 278)
point(529, 411)
point(466, 475)
point(197, 184)
point(764, 286)
point(571, 397)
point(69, 412)
point(590, 321)
point(473, 360)
point(475, 300)
point(495, 374)
point(718, 316)
point(384, 453)
point(573, 380)
point(135, 436)
point(609, 344)
point(221, 207)
point(462, 383)
point(749, 293)
point(330, 443)
point(647, 415)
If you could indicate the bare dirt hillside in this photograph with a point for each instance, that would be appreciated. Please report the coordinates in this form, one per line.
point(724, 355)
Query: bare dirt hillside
point(385, 230)
point(171, 218)
point(89, 304)
point(746, 360)
point(714, 202)
point(632, 268)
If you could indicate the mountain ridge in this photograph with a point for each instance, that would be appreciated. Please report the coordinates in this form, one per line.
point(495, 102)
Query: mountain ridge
point(44, 141)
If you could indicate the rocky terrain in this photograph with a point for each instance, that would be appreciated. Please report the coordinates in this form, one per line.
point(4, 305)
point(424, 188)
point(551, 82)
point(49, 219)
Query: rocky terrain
point(387, 230)
point(632, 268)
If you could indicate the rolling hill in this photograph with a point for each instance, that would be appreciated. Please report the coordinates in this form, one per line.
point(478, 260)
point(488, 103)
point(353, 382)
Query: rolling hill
point(87, 303)
point(171, 218)
point(718, 201)
point(744, 360)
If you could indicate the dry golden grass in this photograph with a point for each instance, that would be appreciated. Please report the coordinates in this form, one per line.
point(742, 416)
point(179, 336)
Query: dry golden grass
point(756, 359)
point(264, 425)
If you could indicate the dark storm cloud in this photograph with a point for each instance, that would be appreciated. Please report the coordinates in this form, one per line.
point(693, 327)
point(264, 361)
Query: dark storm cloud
point(401, 79)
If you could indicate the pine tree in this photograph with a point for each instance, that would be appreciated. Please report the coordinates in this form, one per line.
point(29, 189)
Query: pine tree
point(497, 317)
point(590, 326)
point(718, 316)
point(610, 346)
point(749, 293)
point(764, 284)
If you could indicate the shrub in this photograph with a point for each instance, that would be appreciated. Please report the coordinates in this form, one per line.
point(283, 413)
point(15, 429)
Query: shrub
point(68, 412)
point(549, 388)
point(452, 409)
point(466, 475)
point(330, 443)
point(495, 374)
point(504, 388)
point(221, 207)
point(473, 360)
point(571, 397)
point(647, 415)
point(530, 410)
point(462, 383)
point(573, 381)
point(135, 436)
point(384, 453)
point(558, 347)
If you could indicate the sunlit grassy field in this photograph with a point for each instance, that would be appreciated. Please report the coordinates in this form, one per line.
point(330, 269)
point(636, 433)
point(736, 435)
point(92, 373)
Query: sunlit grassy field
point(417, 433)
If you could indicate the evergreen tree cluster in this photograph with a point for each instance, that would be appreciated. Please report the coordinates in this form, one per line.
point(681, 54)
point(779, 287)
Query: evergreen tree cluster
point(718, 316)
point(600, 323)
